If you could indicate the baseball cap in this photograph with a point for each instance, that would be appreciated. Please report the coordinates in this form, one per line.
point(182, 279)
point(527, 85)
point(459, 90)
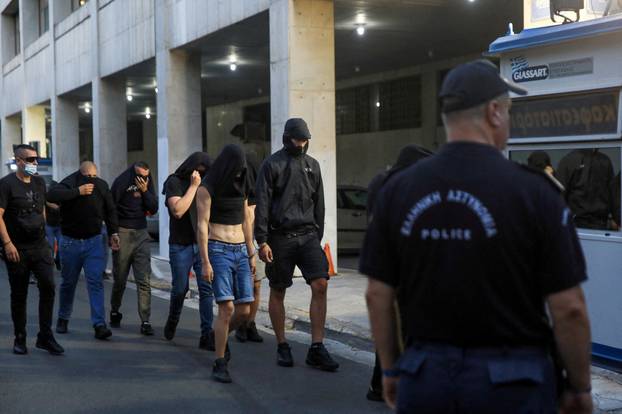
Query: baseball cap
point(473, 83)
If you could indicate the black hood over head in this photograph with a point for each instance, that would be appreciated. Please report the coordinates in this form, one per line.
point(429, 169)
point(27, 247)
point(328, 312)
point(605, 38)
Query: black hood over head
point(408, 156)
point(228, 175)
point(295, 128)
point(190, 164)
point(539, 160)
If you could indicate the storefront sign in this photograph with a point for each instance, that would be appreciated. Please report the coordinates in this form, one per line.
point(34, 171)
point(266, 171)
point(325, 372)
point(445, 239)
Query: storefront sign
point(594, 113)
point(523, 72)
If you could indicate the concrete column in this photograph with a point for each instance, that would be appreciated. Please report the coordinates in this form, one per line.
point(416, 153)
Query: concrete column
point(302, 79)
point(33, 120)
point(178, 75)
point(65, 137)
point(109, 127)
point(11, 135)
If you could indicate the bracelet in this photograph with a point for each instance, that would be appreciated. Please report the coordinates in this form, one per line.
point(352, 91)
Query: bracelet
point(7, 243)
point(391, 373)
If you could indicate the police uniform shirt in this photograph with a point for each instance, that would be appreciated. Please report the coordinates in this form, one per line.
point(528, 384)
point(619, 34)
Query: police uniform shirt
point(473, 243)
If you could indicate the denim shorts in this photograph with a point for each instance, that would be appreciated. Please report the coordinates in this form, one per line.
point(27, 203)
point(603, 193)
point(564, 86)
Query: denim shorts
point(233, 279)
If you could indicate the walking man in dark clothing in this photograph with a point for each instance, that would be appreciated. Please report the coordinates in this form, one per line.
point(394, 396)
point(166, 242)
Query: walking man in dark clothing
point(134, 197)
point(475, 248)
point(289, 225)
point(408, 156)
point(85, 202)
point(22, 230)
point(180, 190)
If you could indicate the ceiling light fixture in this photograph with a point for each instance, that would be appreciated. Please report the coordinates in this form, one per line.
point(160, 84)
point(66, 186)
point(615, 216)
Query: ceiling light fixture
point(156, 89)
point(148, 113)
point(378, 104)
point(360, 29)
point(233, 67)
point(233, 63)
point(87, 107)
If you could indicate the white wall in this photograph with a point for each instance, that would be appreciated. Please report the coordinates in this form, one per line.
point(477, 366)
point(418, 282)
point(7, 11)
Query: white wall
point(193, 19)
point(38, 61)
point(73, 51)
point(126, 34)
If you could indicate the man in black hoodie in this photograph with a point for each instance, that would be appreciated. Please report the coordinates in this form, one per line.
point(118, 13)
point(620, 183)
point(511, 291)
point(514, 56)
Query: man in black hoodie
point(289, 225)
point(85, 202)
point(134, 197)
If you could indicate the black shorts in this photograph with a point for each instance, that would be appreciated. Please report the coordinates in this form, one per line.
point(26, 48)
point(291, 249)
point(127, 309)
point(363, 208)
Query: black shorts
point(303, 251)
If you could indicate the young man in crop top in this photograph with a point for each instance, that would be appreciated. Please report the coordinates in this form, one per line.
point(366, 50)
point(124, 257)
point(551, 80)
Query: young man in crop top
point(225, 237)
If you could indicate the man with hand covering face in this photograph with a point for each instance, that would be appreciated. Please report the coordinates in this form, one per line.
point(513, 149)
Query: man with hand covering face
point(225, 237)
point(85, 202)
point(180, 190)
point(135, 198)
point(289, 225)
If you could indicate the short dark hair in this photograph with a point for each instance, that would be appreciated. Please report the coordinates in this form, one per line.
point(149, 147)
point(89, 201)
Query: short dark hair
point(142, 164)
point(18, 149)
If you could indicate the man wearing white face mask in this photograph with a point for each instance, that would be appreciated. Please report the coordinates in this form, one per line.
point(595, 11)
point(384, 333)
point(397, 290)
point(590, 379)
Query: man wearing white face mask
point(22, 232)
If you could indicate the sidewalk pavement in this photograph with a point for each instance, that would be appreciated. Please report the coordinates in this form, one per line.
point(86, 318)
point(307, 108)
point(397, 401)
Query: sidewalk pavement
point(347, 314)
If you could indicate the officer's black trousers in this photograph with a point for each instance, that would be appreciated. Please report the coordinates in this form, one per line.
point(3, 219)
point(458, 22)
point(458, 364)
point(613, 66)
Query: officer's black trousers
point(446, 379)
point(38, 261)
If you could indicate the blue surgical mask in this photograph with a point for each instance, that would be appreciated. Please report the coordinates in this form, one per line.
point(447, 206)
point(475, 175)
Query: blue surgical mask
point(30, 169)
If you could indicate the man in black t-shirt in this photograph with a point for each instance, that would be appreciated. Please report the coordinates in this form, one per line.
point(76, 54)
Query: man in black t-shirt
point(22, 230)
point(180, 190)
point(474, 247)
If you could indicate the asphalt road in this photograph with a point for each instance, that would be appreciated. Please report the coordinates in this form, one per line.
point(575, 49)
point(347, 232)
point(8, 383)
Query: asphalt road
point(130, 373)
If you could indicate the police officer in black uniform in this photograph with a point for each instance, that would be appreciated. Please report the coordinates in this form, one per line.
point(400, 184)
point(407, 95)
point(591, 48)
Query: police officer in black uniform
point(474, 247)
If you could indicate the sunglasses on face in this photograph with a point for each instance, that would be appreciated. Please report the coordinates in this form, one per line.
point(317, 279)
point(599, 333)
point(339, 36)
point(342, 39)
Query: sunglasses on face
point(29, 160)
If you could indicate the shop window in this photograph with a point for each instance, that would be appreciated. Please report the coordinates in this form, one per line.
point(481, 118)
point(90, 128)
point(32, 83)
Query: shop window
point(590, 177)
point(353, 107)
point(399, 104)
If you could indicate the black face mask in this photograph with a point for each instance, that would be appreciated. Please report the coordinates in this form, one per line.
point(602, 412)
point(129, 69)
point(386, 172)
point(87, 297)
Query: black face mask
point(295, 150)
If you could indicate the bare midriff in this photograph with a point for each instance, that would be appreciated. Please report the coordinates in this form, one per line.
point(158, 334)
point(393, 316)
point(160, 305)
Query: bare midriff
point(228, 233)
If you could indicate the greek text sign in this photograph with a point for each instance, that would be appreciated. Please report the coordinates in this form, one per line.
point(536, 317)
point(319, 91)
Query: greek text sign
point(569, 115)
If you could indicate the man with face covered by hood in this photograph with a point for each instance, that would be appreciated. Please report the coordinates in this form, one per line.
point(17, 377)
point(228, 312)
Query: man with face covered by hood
point(85, 202)
point(135, 197)
point(289, 225)
point(180, 190)
point(225, 237)
point(408, 156)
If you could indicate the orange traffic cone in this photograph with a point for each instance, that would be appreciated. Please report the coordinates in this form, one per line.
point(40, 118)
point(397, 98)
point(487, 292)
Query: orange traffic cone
point(329, 257)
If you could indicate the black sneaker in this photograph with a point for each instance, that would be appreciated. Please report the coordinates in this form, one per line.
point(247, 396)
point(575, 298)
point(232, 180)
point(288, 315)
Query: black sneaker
point(207, 342)
point(49, 344)
point(19, 345)
point(115, 319)
point(61, 326)
point(284, 355)
point(252, 334)
point(240, 333)
point(170, 328)
point(318, 357)
point(374, 394)
point(146, 329)
point(220, 372)
point(102, 332)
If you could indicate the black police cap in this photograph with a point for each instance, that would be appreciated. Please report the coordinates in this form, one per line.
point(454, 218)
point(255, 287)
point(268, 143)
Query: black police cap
point(473, 83)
